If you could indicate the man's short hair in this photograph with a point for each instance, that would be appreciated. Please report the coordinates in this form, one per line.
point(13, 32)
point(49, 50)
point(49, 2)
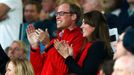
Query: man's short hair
point(74, 9)
point(37, 5)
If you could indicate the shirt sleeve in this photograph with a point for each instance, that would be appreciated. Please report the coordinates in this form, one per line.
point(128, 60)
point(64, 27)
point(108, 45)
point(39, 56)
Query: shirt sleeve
point(37, 59)
point(12, 4)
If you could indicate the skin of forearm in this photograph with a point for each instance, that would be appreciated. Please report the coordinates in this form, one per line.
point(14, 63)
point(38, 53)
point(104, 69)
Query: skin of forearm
point(3, 11)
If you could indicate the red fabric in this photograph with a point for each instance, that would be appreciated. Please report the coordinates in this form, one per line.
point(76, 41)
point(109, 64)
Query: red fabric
point(84, 53)
point(51, 63)
point(98, 73)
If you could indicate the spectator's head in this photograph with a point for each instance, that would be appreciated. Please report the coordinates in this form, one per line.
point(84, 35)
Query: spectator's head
point(19, 67)
point(90, 5)
point(32, 11)
point(128, 41)
point(124, 66)
point(67, 15)
point(94, 27)
point(125, 44)
point(48, 5)
point(111, 5)
point(17, 50)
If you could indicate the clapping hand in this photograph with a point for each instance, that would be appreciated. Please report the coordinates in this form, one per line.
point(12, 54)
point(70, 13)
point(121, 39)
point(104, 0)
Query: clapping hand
point(63, 48)
point(43, 36)
point(33, 37)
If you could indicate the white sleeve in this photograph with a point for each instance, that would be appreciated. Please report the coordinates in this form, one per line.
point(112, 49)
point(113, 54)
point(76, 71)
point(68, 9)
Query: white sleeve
point(10, 3)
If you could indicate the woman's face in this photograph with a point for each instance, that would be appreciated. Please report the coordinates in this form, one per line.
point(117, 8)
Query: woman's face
point(10, 70)
point(86, 29)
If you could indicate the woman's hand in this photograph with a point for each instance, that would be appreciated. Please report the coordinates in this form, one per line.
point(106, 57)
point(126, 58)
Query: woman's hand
point(63, 48)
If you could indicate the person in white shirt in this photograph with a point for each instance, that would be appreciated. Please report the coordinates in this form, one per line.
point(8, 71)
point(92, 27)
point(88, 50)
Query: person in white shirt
point(11, 12)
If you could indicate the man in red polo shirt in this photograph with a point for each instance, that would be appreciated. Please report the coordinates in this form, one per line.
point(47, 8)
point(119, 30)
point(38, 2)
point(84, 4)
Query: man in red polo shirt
point(50, 62)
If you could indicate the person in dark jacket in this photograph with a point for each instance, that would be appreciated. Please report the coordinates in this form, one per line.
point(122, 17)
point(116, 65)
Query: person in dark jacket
point(3, 60)
point(95, 50)
point(122, 16)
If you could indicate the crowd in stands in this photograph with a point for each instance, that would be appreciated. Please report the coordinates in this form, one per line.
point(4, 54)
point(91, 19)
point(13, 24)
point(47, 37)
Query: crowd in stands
point(66, 37)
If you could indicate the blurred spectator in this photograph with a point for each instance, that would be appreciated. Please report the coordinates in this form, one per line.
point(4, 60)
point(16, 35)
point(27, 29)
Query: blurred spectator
point(124, 66)
point(81, 2)
point(10, 20)
point(16, 50)
point(19, 67)
point(31, 12)
point(49, 21)
point(125, 44)
point(31, 15)
point(43, 15)
point(120, 17)
point(48, 6)
point(113, 5)
point(90, 5)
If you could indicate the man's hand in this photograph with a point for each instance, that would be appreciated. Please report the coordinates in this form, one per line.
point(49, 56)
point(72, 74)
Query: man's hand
point(43, 36)
point(33, 37)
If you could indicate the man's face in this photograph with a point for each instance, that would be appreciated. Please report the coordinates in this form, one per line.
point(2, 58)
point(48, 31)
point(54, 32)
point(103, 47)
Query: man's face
point(63, 16)
point(120, 50)
point(30, 13)
point(15, 51)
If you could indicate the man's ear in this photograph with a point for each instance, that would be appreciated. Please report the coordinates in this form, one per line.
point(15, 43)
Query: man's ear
point(74, 16)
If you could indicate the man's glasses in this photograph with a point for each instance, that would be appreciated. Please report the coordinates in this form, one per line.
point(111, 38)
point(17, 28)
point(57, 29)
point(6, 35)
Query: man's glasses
point(62, 13)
